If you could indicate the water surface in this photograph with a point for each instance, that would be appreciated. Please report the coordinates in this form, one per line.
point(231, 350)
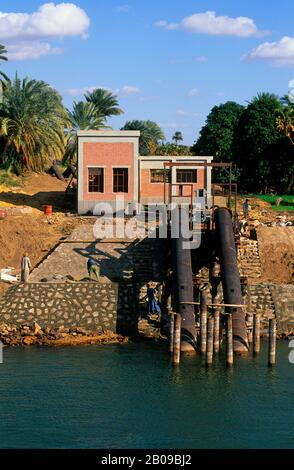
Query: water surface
point(129, 396)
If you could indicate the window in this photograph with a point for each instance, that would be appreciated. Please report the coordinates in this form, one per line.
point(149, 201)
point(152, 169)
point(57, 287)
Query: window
point(160, 176)
point(96, 180)
point(120, 180)
point(186, 176)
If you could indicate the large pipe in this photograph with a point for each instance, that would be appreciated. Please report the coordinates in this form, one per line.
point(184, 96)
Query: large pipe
point(184, 293)
point(230, 276)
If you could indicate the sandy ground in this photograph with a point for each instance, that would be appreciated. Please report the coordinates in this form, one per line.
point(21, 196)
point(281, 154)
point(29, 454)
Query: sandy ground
point(276, 249)
point(26, 228)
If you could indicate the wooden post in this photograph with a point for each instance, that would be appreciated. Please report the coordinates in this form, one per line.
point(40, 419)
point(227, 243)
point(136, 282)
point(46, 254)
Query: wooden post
point(209, 349)
point(272, 341)
point(230, 351)
point(216, 340)
point(250, 328)
point(177, 339)
point(256, 333)
point(171, 331)
point(203, 322)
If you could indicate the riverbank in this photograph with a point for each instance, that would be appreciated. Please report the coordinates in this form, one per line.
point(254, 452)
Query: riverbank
point(29, 335)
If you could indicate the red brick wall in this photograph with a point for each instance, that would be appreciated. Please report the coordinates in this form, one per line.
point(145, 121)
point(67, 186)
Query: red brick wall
point(157, 189)
point(108, 155)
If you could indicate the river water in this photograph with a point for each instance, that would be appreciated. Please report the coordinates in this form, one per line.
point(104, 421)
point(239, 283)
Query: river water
point(129, 396)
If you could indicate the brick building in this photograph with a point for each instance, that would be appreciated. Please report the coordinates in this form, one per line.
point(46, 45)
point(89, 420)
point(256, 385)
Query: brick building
point(109, 165)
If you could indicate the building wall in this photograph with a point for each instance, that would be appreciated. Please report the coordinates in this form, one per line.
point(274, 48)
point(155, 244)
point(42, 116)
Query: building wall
point(108, 156)
point(107, 149)
point(156, 190)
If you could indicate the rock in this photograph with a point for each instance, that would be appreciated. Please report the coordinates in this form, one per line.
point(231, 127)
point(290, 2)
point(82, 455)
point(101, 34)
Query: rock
point(37, 329)
point(28, 340)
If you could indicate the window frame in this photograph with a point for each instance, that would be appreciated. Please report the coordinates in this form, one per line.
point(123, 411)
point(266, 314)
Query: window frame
point(125, 179)
point(102, 181)
point(166, 174)
point(181, 172)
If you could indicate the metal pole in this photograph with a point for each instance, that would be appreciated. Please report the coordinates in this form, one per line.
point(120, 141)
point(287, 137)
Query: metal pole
point(216, 328)
point(256, 333)
point(230, 352)
point(209, 350)
point(203, 322)
point(177, 339)
point(171, 331)
point(272, 341)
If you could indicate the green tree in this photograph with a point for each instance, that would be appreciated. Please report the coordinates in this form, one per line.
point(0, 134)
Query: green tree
point(217, 135)
point(285, 125)
point(82, 117)
point(257, 141)
point(173, 149)
point(151, 135)
point(105, 102)
point(32, 121)
point(177, 137)
point(3, 53)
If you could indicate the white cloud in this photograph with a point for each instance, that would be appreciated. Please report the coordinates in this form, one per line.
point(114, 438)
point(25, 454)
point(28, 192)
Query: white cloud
point(202, 58)
point(27, 32)
point(209, 23)
point(172, 125)
point(125, 90)
point(164, 24)
point(193, 92)
point(181, 112)
point(31, 50)
point(280, 53)
point(123, 8)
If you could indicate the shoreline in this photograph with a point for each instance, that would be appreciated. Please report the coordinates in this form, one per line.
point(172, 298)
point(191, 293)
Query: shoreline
point(34, 335)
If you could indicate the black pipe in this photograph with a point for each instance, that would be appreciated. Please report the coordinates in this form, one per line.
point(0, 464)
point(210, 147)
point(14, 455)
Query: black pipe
point(230, 277)
point(184, 293)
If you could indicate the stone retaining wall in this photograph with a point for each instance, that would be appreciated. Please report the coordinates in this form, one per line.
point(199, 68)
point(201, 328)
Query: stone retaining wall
point(95, 306)
point(273, 299)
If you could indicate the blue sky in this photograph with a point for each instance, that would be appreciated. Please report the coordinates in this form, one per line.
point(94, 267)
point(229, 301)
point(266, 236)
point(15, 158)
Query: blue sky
point(168, 61)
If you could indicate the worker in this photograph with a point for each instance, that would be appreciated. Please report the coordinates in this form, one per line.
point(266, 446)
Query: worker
point(93, 269)
point(246, 209)
point(153, 306)
point(25, 268)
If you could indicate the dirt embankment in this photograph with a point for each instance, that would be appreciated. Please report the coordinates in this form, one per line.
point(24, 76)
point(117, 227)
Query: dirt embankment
point(276, 249)
point(26, 228)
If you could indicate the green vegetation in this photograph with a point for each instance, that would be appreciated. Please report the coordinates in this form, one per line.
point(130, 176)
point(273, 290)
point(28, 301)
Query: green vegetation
point(177, 137)
point(105, 102)
point(9, 180)
point(151, 135)
point(257, 139)
point(32, 122)
point(286, 203)
point(173, 149)
point(82, 117)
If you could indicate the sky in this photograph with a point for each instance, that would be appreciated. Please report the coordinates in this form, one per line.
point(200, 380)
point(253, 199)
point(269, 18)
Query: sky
point(169, 61)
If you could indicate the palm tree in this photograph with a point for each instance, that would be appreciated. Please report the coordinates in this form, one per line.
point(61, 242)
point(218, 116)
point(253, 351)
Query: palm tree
point(285, 124)
point(177, 137)
point(82, 117)
point(32, 121)
point(151, 135)
point(3, 53)
point(106, 103)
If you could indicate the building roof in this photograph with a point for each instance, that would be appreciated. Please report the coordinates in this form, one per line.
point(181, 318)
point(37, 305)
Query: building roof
point(108, 133)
